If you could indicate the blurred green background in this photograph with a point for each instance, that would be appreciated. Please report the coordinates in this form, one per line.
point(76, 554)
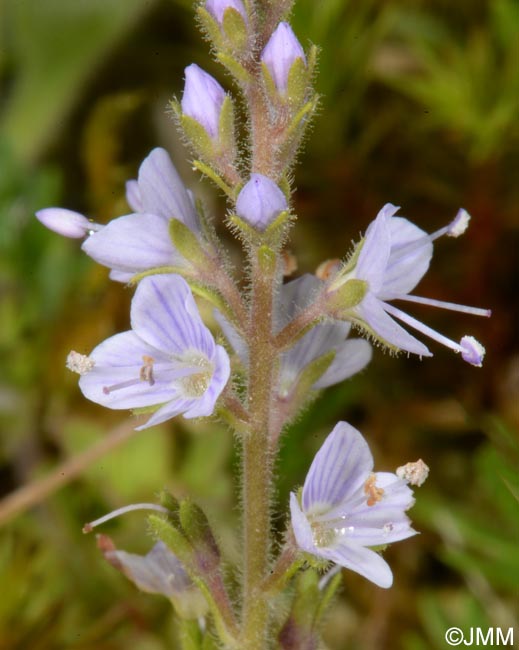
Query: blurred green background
point(420, 107)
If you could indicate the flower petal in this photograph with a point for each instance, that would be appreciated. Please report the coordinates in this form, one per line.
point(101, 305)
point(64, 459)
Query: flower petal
point(405, 270)
point(351, 357)
point(362, 560)
point(374, 255)
point(372, 312)
point(118, 362)
point(165, 315)
point(205, 404)
point(162, 191)
point(132, 244)
point(339, 468)
point(301, 527)
point(133, 196)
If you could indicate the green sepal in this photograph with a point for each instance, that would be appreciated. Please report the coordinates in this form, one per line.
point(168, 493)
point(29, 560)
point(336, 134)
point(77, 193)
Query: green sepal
point(345, 297)
point(186, 242)
point(158, 270)
point(198, 136)
point(190, 634)
point(301, 120)
point(221, 626)
point(146, 410)
point(300, 628)
point(212, 296)
point(235, 30)
point(176, 108)
point(235, 68)
point(198, 530)
point(270, 86)
point(167, 500)
point(210, 173)
point(312, 373)
point(226, 139)
point(327, 594)
point(311, 60)
point(210, 26)
point(297, 83)
point(162, 529)
point(275, 230)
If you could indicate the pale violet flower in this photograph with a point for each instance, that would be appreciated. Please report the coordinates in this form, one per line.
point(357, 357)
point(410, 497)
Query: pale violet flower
point(260, 201)
point(394, 256)
point(136, 242)
point(168, 359)
point(280, 53)
point(346, 509)
point(351, 355)
point(217, 8)
point(203, 99)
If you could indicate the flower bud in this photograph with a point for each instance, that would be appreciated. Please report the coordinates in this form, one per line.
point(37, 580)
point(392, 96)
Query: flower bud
point(66, 222)
point(280, 53)
point(217, 8)
point(202, 99)
point(260, 202)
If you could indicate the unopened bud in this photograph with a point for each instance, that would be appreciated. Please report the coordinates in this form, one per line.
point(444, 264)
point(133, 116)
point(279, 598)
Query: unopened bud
point(217, 8)
point(203, 99)
point(279, 55)
point(260, 202)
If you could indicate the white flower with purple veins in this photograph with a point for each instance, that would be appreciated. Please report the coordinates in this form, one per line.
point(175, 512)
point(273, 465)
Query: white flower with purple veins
point(394, 256)
point(346, 509)
point(136, 242)
point(168, 359)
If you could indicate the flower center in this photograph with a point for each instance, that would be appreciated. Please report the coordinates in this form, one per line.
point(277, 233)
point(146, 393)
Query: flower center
point(195, 384)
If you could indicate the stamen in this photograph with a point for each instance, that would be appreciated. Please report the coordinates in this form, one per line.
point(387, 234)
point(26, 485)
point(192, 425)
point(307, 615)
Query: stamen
point(413, 473)
point(79, 363)
point(452, 306)
point(471, 350)
point(373, 492)
point(454, 229)
point(146, 373)
point(87, 528)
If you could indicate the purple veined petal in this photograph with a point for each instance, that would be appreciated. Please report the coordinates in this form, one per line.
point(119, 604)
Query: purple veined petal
point(115, 380)
point(66, 222)
point(301, 527)
point(318, 341)
point(165, 315)
point(351, 357)
point(280, 53)
point(204, 405)
point(295, 296)
point(339, 468)
point(133, 196)
point(235, 340)
point(260, 201)
point(387, 532)
point(132, 244)
point(157, 572)
point(405, 270)
point(361, 560)
point(371, 310)
point(170, 410)
point(162, 191)
point(203, 99)
point(375, 252)
point(217, 8)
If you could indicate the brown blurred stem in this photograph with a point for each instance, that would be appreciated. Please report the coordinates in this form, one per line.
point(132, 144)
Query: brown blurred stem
point(37, 491)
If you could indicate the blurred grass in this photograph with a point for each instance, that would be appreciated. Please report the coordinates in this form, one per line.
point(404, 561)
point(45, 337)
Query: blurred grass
point(419, 107)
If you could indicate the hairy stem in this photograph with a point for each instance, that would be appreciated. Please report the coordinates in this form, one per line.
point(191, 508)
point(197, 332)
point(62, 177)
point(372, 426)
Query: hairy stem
point(257, 461)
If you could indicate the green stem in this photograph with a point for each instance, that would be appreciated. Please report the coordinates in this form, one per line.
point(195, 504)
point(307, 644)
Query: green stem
point(257, 460)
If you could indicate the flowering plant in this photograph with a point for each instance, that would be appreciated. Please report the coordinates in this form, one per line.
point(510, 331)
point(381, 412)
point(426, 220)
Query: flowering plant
point(280, 343)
